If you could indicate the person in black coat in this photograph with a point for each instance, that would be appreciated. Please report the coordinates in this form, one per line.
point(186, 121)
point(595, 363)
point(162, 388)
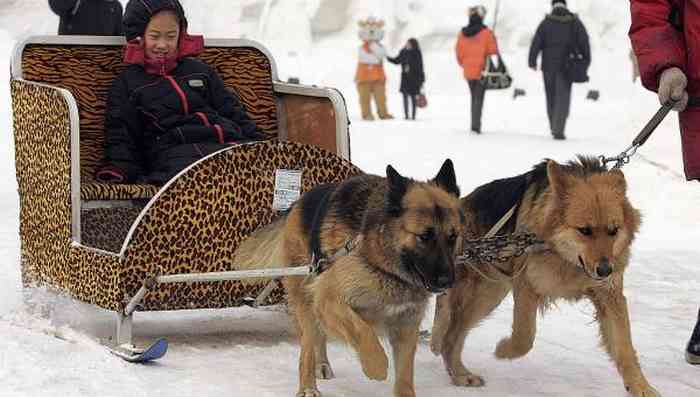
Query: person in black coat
point(555, 35)
point(166, 110)
point(412, 76)
point(88, 17)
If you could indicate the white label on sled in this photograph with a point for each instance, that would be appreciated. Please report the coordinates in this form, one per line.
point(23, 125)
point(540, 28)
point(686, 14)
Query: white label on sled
point(287, 189)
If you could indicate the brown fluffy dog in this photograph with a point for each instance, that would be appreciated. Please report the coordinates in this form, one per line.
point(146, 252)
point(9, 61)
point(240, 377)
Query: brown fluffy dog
point(582, 213)
point(410, 234)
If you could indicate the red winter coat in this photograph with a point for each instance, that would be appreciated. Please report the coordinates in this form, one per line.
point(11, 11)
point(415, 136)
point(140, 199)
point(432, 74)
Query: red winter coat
point(666, 33)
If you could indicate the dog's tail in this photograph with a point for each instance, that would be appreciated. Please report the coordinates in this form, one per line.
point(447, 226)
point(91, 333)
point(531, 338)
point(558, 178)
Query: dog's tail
point(263, 249)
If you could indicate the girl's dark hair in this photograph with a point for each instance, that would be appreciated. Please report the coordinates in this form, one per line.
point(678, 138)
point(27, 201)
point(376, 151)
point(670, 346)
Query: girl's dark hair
point(414, 43)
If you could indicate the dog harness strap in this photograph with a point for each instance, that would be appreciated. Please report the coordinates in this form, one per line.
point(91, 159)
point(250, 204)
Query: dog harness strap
point(321, 264)
point(317, 256)
point(504, 219)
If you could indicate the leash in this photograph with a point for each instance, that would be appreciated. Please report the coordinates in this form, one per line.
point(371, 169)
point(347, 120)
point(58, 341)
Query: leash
point(505, 277)
point(624, 157)
point(320, 264)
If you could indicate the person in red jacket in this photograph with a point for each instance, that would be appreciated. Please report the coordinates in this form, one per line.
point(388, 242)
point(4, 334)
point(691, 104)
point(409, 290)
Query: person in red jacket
point(666, 39)
point(475, 42)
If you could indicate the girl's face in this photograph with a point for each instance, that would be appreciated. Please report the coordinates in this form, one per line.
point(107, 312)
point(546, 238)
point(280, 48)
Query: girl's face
point(409, 45)
point(162, 35)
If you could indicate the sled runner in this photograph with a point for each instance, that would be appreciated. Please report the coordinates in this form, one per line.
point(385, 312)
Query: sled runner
point(102, 243)
point(135, 355)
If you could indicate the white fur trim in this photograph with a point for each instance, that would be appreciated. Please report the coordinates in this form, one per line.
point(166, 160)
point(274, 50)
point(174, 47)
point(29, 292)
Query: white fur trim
point(374, 56)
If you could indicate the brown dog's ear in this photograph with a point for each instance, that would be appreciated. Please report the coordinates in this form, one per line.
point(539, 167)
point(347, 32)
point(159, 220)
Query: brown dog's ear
point(446, 178)
point(618, 180)
point(557, 179)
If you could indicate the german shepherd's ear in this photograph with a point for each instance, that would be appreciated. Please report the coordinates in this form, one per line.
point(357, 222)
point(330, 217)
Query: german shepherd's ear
point(446, 178)
point(557, 178)
point(397, 187)
point(618, 180)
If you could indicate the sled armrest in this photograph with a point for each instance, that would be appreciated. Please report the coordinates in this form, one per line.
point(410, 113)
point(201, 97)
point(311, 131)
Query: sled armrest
point(47, 150)
point(313, 115)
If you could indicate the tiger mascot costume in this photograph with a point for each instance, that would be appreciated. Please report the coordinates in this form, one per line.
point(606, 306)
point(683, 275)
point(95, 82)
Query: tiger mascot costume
point(370, 77)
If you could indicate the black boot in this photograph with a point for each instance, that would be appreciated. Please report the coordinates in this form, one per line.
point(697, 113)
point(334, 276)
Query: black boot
point(692, 351)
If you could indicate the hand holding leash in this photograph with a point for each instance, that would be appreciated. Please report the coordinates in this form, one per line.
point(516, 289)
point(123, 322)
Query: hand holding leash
point(624, 157)
point(673, 87)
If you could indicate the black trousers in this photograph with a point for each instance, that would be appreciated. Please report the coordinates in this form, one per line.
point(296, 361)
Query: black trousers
point(558, 91)
point(477, 90)
point(406, 99)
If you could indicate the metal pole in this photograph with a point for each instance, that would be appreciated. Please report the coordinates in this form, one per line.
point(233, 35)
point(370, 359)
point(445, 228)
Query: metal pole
point(234, 275)
point(124, 330)
point(213, 276)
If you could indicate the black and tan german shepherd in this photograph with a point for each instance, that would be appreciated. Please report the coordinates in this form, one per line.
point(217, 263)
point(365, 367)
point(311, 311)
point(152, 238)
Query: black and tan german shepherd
point(410, 235)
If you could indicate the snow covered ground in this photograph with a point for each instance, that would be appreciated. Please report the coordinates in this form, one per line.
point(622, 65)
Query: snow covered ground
point(49, 344)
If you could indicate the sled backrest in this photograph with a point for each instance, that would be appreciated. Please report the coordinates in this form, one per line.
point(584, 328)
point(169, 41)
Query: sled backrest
point(86, 66)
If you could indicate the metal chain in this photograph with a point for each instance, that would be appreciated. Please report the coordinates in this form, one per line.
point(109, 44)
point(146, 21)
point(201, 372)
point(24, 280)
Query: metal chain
point(621, 159)
point(624, 157)
point(497, 249)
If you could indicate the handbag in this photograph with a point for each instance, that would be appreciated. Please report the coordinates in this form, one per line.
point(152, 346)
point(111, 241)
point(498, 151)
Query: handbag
point(495, 77)
point(421, 100)
point(575, 64)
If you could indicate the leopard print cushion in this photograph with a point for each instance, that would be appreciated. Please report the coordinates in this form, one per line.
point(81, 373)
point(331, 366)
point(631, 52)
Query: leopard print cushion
point(88, 71)
point(106, 228)
point(193, 226)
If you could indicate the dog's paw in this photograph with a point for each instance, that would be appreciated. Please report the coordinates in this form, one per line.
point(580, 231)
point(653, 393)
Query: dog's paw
point(507, 350)
point(468, 380)
point(324, 371)
point(642, 390)
point(309, 393)
point(375, 366)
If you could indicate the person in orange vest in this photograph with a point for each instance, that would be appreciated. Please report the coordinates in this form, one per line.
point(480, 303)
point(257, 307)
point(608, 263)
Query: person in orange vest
point(474, 44)
point(370, 77)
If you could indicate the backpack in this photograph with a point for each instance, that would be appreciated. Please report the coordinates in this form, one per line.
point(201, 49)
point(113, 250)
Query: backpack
point(575, 64)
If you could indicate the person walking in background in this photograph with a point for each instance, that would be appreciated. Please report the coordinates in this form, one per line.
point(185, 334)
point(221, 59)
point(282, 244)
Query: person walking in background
point(412, 76)
point(666, 41)
point(556, 34)
point(88, 17)
point(474, 44)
